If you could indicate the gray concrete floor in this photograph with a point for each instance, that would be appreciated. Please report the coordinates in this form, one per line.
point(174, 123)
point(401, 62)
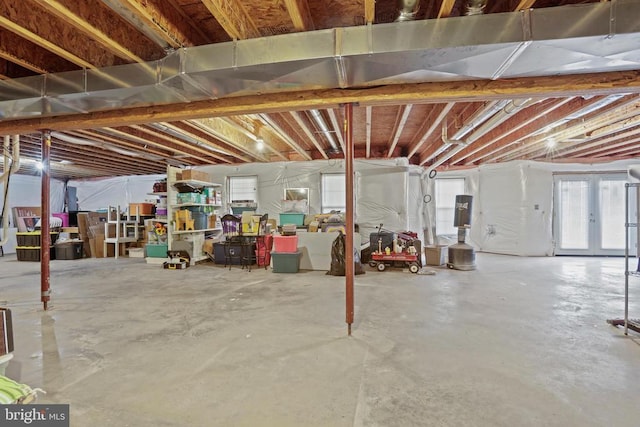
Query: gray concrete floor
point(519, 342)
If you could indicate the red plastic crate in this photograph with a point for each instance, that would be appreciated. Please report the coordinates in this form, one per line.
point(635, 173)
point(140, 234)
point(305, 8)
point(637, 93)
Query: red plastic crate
point(285, 244)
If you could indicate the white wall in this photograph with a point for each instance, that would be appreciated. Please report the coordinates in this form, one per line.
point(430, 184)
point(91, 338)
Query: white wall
point(513, 204)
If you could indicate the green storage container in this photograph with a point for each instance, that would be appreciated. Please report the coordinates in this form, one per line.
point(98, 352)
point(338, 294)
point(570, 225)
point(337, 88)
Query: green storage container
point(286, 262)
point(292, 218)
point(157, 250)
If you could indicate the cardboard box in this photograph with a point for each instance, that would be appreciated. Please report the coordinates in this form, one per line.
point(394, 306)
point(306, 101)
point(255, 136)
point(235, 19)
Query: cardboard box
point(435, 255)
point(142, 208)
point(195, 175)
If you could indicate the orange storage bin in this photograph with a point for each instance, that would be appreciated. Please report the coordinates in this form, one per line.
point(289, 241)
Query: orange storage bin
point(285, 244)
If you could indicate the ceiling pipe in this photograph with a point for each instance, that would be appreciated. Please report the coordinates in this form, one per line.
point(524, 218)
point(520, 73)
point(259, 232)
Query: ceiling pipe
point(498, 118)
point(324, 129)
point(476, 7)
point(408, 9)
point(9, 168)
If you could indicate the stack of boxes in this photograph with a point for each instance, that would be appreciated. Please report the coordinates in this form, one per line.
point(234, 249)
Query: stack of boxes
point(285, 254)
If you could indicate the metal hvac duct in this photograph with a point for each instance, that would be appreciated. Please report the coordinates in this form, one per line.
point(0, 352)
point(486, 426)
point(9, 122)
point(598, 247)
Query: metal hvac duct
point(408, 9)
point(533, 42)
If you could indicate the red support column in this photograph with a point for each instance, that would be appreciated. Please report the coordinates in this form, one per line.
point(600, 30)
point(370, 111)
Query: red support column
point(349, 176)
point(45, 236)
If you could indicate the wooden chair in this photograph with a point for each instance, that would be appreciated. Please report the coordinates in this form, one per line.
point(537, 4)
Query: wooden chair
point(183, 219)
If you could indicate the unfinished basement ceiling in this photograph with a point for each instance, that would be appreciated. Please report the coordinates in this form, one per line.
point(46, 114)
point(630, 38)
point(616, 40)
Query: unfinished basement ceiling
point(129, 86)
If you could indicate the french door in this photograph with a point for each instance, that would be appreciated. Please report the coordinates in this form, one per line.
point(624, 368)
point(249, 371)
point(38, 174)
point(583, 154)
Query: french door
point(589, 214)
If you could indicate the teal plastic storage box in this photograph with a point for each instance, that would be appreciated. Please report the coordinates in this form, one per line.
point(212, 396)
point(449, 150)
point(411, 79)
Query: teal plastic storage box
point(157, 250)
point(286, 262)
point(292, 218)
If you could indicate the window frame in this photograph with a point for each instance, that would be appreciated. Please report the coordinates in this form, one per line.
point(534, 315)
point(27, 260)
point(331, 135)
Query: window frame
point(453, 230)
point(328, 208)
point(230, 198)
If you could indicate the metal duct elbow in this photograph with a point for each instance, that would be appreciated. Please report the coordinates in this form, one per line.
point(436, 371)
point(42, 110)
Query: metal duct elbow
point(407, 10)
point(476, 7)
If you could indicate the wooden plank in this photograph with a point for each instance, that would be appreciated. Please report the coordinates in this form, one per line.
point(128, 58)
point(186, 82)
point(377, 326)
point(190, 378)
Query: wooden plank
point(30, 21)
point(22, 52)
point(101, 24)
point(298, 118)
point(478, 90)
point(435, 124)
point(300, 16)
point(165, 21)
point(227, 133)
point(336, 127)
point(406, 110)
point(277, 128)
point(445, 8)
point(369, 11)
point(525, 4)
point(233, 18)
point(517, 127)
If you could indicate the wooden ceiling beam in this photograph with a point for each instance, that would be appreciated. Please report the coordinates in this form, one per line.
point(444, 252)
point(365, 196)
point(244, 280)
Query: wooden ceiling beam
point(233, 18)
point(432, 128)
point(280, 132)
point(592, 123)
point(300, 15)
point(122, 142)
point(155, 137)
point(227, 132)
point(163, 20)
point(101, 24)
point(30, 21)
point(459, 91)
point(369, 11)
point(219, 151)
point(630, 108)
point(17, 50)
point(336, 128)
point(525, 4)
point(298, 119)
point(406, 110)
point(589, 148)
point(518, 127)
point(445, 8)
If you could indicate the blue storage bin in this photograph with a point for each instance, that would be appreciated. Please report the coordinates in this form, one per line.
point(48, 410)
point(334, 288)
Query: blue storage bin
point(292, 218)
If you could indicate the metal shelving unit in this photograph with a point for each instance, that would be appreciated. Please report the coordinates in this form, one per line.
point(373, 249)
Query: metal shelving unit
point(628, 323)
point(179, 239)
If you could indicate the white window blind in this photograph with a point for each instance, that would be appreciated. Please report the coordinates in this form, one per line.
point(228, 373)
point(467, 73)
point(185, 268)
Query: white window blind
point(446, 191)
point(243, 188)
point(333, 192)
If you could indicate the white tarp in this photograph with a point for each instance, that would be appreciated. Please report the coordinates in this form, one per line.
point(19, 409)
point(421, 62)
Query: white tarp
point(24, 190)
point(97, 194)
point(382, 188)
point(513, 203)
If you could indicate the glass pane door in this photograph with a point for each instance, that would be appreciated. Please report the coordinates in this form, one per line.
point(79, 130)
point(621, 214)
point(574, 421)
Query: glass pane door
point(573, 215)
point(589, 214)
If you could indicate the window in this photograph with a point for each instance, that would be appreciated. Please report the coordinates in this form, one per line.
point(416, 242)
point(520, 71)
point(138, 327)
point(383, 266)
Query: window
point(333, 192)
point(243, 188)
point(446, 191)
